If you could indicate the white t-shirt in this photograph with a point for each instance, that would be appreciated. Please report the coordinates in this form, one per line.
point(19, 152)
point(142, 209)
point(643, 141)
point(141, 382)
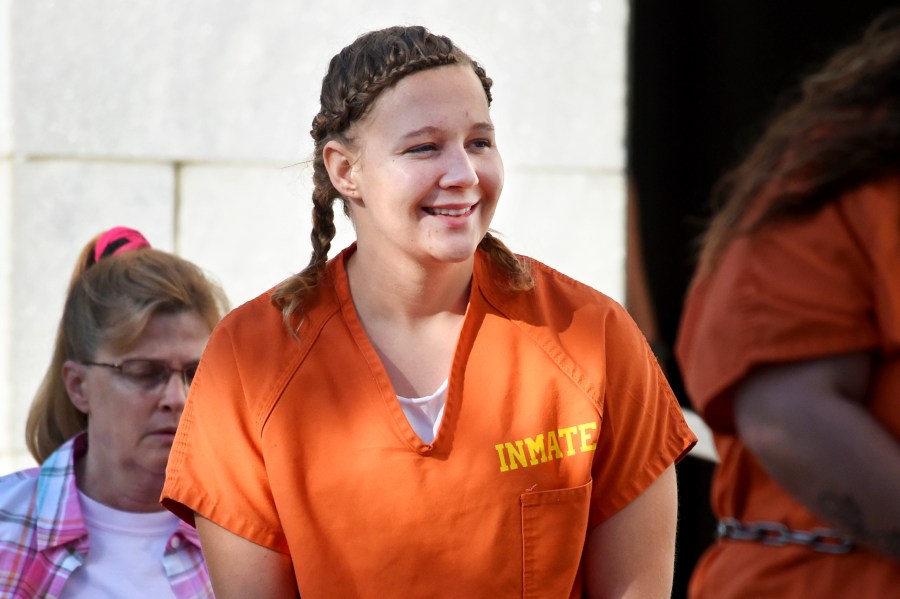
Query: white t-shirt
point(425, 413)
point(125, 557)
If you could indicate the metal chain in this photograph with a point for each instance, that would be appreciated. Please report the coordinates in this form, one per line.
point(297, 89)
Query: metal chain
point(775, 534)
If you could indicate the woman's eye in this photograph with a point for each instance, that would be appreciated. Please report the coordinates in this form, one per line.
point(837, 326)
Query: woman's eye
point(422, 148)
point(482, 143)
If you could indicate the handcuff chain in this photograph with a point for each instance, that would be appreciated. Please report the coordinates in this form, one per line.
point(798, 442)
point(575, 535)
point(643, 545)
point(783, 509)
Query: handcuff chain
point(776, 534)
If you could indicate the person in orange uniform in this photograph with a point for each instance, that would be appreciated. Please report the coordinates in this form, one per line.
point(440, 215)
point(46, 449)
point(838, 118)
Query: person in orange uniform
point(790, 343)
point(426, 414)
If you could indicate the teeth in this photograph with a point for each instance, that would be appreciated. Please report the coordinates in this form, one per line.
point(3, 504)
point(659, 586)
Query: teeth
point(449, 212)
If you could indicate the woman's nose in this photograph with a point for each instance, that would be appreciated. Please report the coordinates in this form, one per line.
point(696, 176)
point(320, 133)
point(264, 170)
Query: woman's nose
point(459, 170)
point(174, 392)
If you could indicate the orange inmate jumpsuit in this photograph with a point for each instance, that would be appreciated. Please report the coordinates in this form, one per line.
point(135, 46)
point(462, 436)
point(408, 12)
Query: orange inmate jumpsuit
point(556, 417)
point(825, 285)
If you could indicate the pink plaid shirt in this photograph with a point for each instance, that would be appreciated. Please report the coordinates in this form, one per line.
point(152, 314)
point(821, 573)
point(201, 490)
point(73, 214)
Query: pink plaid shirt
point(43, 538)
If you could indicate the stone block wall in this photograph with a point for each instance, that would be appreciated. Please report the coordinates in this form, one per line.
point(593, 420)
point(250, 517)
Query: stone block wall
point(190, 120)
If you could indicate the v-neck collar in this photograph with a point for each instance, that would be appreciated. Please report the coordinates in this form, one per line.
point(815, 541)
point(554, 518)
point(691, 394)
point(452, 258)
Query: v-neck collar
point(388, 396)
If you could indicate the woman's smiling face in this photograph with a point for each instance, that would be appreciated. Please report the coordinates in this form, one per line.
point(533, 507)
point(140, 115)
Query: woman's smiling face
point(426, 171)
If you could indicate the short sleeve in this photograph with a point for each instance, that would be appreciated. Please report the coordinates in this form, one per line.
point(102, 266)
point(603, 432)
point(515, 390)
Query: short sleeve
point(216, 466)
point(643, 430)
point(800, 289)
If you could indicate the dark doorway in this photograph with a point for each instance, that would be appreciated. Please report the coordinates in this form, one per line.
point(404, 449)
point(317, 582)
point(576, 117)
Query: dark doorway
point(705, 76)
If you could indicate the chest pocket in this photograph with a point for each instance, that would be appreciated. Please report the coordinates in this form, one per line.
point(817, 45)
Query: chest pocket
point(554, 529)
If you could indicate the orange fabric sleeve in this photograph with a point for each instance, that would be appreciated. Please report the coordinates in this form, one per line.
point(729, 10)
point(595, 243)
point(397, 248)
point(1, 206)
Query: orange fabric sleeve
point(798, 290)
point(643, 430)
point(216, 467)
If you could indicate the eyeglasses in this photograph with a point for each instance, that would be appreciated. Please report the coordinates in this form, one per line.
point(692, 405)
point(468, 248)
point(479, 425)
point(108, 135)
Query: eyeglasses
point(150, 375)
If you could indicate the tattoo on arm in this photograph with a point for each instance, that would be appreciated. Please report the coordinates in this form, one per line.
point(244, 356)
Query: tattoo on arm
point(844, 511)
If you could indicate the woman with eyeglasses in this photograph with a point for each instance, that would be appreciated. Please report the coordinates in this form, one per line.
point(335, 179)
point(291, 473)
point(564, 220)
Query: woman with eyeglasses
point(88, 522)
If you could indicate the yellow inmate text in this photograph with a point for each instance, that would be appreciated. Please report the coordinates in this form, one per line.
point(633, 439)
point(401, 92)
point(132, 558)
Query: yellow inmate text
point(543, 447)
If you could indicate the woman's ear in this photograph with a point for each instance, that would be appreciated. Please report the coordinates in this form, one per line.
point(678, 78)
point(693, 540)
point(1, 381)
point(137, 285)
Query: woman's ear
point(73, 375)
point(339, 161)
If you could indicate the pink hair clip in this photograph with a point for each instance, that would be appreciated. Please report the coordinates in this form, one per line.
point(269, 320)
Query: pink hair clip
point(118, 240)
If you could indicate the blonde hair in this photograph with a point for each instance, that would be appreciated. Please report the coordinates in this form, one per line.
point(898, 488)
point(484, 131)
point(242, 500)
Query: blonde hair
point(109, 304)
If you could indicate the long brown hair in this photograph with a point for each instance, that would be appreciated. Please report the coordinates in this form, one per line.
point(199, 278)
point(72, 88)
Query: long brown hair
point(356, 77)
point(109, 304)
point(843, 130)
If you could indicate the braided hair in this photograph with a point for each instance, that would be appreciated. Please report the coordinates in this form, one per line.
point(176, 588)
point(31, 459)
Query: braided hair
point(356, 77)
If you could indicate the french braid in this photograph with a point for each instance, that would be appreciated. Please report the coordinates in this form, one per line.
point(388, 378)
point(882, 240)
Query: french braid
point(356, 77)
point(515, 268)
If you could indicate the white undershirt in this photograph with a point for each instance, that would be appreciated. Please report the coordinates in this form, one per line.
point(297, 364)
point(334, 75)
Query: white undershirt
point(425, 413)
point(125, 557)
